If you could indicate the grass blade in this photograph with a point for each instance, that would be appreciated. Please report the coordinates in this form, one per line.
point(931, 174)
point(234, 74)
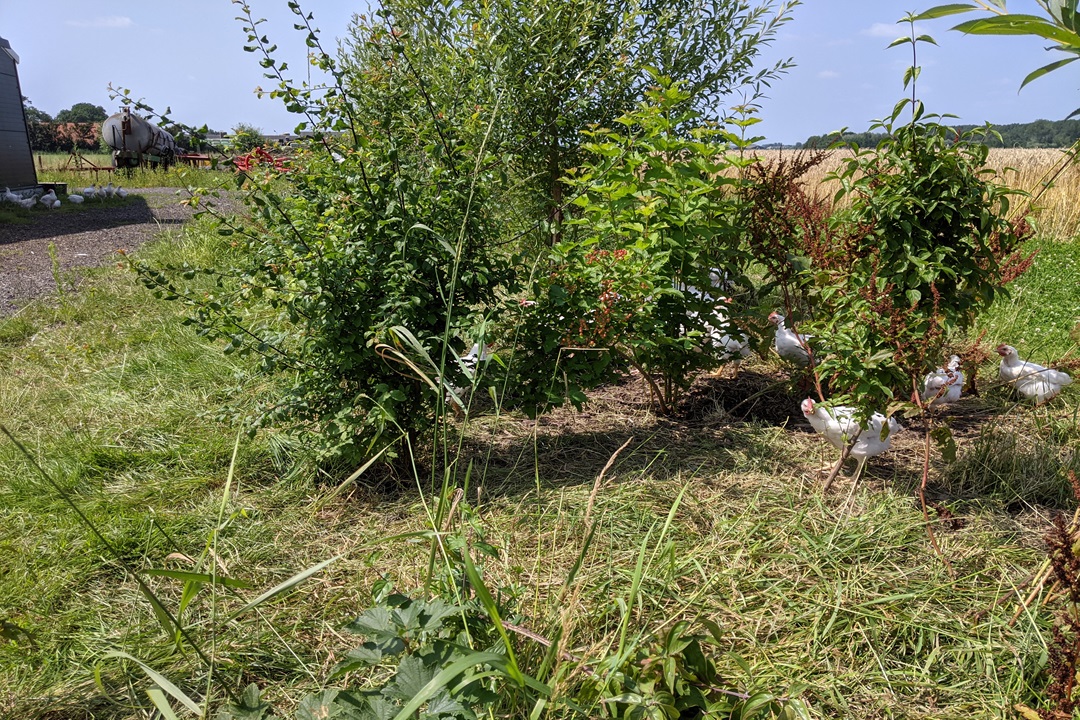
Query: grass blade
point(493, 611)
point(161, 681)
point(195, 577)
point(161, 703)
point(282, 587)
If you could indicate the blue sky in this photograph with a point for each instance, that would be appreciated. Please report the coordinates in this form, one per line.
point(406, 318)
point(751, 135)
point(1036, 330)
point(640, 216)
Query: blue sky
point(189, 56)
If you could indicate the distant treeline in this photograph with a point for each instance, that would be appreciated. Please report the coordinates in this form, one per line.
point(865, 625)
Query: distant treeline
point(1038, 134)
point(64, 136)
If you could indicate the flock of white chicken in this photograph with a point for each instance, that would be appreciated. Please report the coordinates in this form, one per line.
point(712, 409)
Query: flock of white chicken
point(838, 424)
point(943, 386)
point(28, 199)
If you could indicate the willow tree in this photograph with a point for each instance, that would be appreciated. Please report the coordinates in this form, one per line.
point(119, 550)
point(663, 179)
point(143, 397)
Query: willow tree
point(1061, 27)
point(557, 67)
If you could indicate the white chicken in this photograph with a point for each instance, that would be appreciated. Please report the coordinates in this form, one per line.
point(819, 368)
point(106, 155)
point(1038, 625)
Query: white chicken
point(109, 190)
point(839, 427)
point(77, 199)
point(9, 196)
point(89, 192)
point(121, 192)
point(477, 354)
point(1031, 380)
point(469, 363)
point(733, 345)
point(790, 345)
point(48, 199)
point(943, 386)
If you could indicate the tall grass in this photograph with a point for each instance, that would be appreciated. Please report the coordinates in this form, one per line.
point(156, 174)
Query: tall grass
point(60, 167)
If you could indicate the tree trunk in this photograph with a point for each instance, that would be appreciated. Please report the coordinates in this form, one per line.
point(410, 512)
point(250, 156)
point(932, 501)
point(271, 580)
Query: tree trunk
point(555, 212)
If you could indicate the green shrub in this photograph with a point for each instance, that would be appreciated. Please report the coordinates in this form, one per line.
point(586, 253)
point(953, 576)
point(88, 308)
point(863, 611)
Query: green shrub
point(656, 220)
point(925, 242)
point(359, 261)
point(246, 138)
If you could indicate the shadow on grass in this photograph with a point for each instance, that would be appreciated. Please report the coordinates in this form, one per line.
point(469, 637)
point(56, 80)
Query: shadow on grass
point(715, 430)
point(91, 216)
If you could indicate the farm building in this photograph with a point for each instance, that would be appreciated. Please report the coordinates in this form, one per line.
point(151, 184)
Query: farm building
point(16, 160)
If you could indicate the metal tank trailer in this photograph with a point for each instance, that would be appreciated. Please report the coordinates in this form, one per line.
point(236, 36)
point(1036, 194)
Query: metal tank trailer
point(135, 142)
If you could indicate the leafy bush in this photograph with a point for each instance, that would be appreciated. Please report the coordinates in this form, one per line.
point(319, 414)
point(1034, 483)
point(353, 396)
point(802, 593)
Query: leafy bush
point(246, 138)
point(370, 262)
point(936, 246)
point(421, 640)
point(632, 282)
point(926, 240)
point(560, 67)
point(357, 264)
point(362, 265)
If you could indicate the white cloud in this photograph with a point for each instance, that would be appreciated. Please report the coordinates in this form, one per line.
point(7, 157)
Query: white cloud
point(112, 21)
point(892, 30)
point(828, 74)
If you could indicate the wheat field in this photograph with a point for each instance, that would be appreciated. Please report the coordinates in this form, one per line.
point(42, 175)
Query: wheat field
point(1046, 175)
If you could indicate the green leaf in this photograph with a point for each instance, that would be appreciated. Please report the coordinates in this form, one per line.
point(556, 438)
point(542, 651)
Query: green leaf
point(945, 10)
point(946, 443)
point(443, 704)
point(755, 704)
point(161, 681)
point(318, 706)
point(157, 696)
point(425, 616)
point(1019, 25)
point(376, 623)
point(411, 679)
point(368, 654)
point(1036, 74)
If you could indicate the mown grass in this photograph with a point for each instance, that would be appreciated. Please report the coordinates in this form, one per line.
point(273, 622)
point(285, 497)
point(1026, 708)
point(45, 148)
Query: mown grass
point(124, 407)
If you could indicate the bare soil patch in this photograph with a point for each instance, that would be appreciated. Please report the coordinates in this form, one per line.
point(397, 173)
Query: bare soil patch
point(86, 236)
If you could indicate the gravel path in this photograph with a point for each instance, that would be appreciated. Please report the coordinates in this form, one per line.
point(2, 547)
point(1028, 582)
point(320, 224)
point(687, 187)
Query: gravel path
point(86, 238)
